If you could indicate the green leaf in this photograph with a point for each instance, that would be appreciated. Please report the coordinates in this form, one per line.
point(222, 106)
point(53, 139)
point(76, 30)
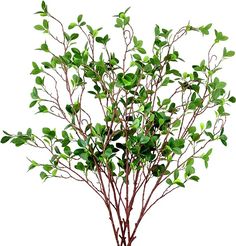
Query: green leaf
point(80, 166)
point(65, 134)
point(195, 137)
point(232, 99)
point(43, 175)
point(36, 69)
point(179, 143)
point(8, 134)
point(83, 23)
point(177, 150)
point(221, 110)
point(161, 44)
point(144, 139)
point(44, 6)
point(43, 109)
point(108, 152)
point(57, 150)
point(34, 93)
point(113, 62)
point(192, 106)
point(74, 36)
point(229, 53)
point(179, 183)
point(194, 178)
point(166, 81)
point(190, 161)
point(176, 123)
point(146, 59)
point(193, 97)
point(210, 135)
point(39, 28)
point(44, 47)
point(90, 29)
point(157, 30)
point(42, 13)
point(205, 29)
point(106, 39)
point(72, 25)
point(99, 40)
point(33, 165)
point(223, 139)
point(202, 126)
point(79, 18)
point(216, 94)
point(39, 80)
point(176, 174)
point(49, 133)
point(79, 152)
point(54, 172)
point(119, 23)
point(73, 109)
point(81, 143)
point(5, 139)
point(136, 123)
point(29, 132)
point(209, 152)
point(205, 157)
point(64, 156)
point(45, 24)
point(19, 141)
point(47, 65)
point(99, 129)
point(47, 168)
point(169, 181)
point(137, 43)
point(67, 37)
point(192, 129)
point(46, 130)
point(166, 101)
point(189, 170)
point(121, 173)
point(137, 57)
point(67, 150)
point(220, 37)
point(69, 109)
point(32, 104)
point(141, 50)
point(208, 124)
point(158, 170)
point(112, 166)
point(220, 85)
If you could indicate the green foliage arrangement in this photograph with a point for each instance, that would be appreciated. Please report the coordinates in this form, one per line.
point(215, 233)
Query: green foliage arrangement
point(156, 121)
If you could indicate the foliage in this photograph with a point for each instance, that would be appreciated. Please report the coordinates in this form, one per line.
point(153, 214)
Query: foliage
point(152, 125)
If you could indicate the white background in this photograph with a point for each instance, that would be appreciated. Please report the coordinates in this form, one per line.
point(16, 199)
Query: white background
point(62, 212)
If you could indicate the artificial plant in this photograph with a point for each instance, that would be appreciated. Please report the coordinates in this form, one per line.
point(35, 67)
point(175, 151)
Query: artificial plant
point(156, 121)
